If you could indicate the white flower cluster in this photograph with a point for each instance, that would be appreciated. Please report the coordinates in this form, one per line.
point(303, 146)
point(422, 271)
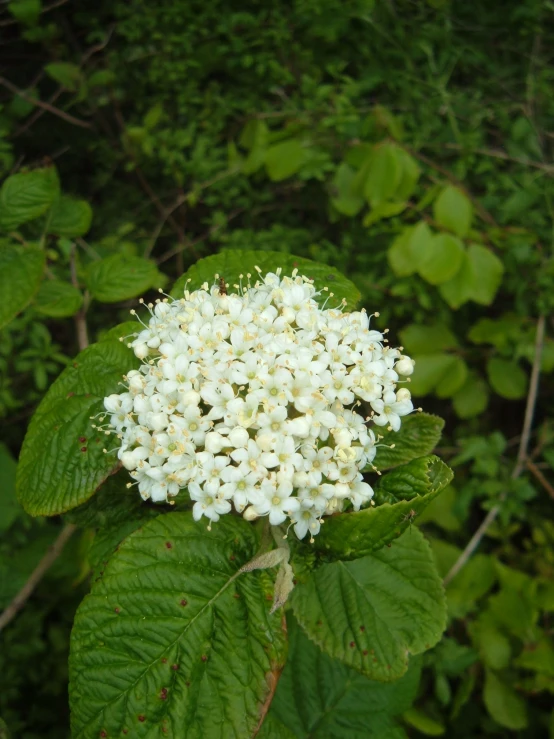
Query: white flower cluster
point(251, 399)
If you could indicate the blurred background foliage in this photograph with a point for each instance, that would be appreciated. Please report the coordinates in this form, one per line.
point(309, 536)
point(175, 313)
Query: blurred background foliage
point(408, 144)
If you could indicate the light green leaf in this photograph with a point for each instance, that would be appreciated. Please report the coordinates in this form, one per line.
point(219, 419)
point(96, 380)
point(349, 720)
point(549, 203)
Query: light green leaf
point(538, 657)
point(507, 378)
point(26, 11)
point(70, 217)
point(478, 278)
point(504, 705)
point(453, 210)
point(453, 380)
point(344, 199)
point(119, 277)
point(374, 612)
point(255, 138)
point(319, 698)
point(407, 491)
point(231, 263)
point(429, 371)
point(409, 175)
point(153, 116)
point(486, 272)
point(441, 511)
point(66, 74)
point(383, 210)
point(494, 647)
point(27, 195)
point(410, 248)
point(9, 507)
point(57, 299)
point(384, 174)
point(423, 723)
point(442, 260)
point(173, 635)
point(472, 398)
point(418, 436)
point(62, 462)
point(284, 159)
point(427, 339)
point(21, 269)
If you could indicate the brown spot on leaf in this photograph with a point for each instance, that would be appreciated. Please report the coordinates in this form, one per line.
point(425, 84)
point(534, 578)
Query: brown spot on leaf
point(204, 658)
point(362, 628)
point(174, 667)
point(83, 448)
point(82, 439)
point(352, 644)
point(365, 652)
point(168, 545)
point(164, 660)
point(163, 694)
point(184, 602)
point(117, 610)
point(141, 717)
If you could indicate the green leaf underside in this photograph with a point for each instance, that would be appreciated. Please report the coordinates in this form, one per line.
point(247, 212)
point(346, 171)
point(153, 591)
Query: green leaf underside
point(120, 277)
point(21, 269)
point(418, 436)
point(62, 461)
point(408, 491)
point(173, 641)
point(320, 698)
point(231, 263)
point(372, 613)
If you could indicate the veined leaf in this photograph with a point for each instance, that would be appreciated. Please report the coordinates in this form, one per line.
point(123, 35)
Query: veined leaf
point(173, 638)
point(21, 269)
point(27, 195)
point(372, 613)
point(119, 277)
point(418, 436)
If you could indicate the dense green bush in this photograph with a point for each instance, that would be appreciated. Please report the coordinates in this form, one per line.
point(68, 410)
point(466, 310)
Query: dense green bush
point(406, 144)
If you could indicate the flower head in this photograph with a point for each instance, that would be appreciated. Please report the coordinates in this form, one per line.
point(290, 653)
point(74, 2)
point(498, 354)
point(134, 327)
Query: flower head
point(251, 401)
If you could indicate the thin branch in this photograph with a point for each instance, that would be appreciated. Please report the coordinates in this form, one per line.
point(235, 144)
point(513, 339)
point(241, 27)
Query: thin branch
point(80, 316)
point(36, 576)
point(499, 154)
point(534, 470)
point(521, 460)
point(45, 106)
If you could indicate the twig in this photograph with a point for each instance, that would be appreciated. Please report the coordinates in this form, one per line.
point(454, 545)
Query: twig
point(521, 455)
point(46, 106)
point(53, 5)
point(80, 316)
point(532, 467)
point(499, 154)
point(36, 576)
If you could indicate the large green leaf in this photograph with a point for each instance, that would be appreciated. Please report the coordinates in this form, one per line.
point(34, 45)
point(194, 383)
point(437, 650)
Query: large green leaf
point(384, 174)
point(320, 698)
point(27, 195)
point(418, 338)
point(418, 436)
point(284, 159)
point(477, 279)
point(344, 198)
point(70, 217)
point(58, 299)
point(120, 277)
point(507, 378)
point(232, 263)
point(21, 269)
point(173, 638)
point(503, 703)
point(442, 260)
point(453, 210)
point(62, 461)
point(374, 612)
point(403, 493)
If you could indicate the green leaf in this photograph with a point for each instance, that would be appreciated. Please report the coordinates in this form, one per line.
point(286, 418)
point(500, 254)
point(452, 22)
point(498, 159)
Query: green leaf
point(21, 269)
point(383, 210)
point(418, 436)
point(453, 210)
point(66, 74)
point(442, 260)
point(254, 137)
point(408, 490)
point(423, 723)
point(344, 199)
point(384, 174)
point(153, 116)
point(231, 263)
point(409, 249)
point(478, 278)
point(319, 698)
point(62, 462)
point(26, 11)
point(453, 380)
point(504, 705)
point(119, 277)
point(57, 299)
point(429, 371)
point(27, 195)
point(410, 172)
point(472, 398)
point(70, 217)
point(284, 159)
point(173, 635)
point(486, 272)
point(507, 378)
point(427, 339)
point(374, 612)
point(494, 647)
point(9, 507)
